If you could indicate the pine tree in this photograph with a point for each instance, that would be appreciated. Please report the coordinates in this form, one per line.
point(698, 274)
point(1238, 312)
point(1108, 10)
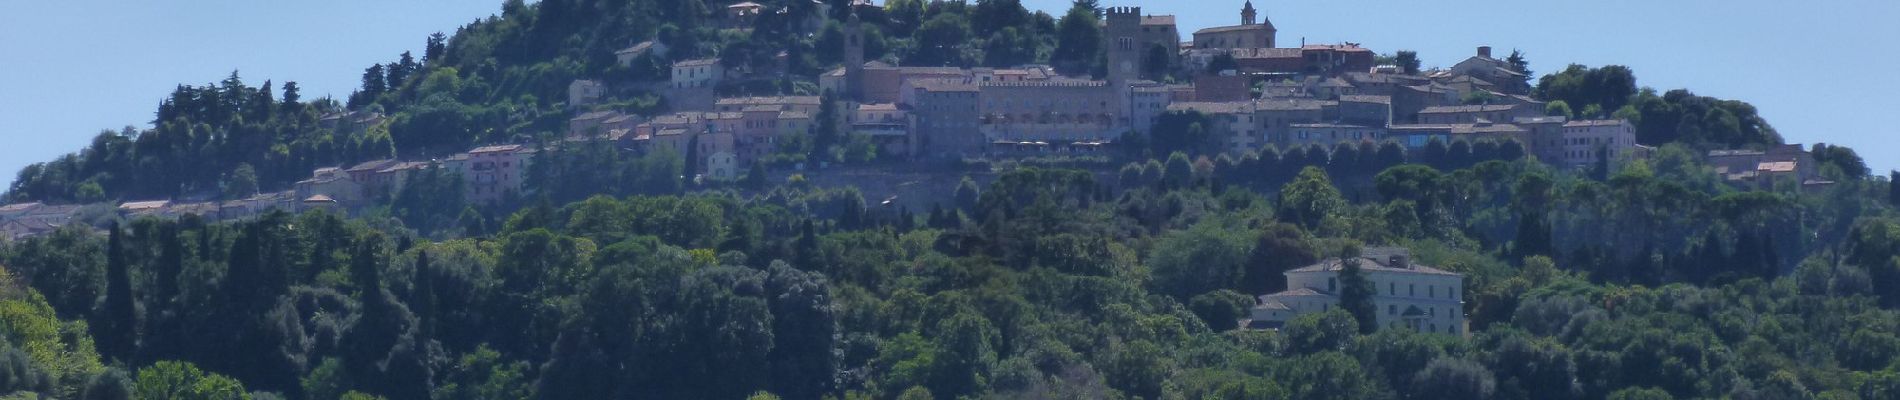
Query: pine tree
point(289, 103)
point(438, 44)
point(400, 70)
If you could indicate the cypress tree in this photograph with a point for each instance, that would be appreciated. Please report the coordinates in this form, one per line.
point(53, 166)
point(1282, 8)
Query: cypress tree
point(117, 331)
point(423, 297)
point(1355, 293)
point(1893, 188)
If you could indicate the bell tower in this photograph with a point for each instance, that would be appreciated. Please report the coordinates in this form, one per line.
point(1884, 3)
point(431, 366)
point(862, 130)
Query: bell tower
point(1247, 14)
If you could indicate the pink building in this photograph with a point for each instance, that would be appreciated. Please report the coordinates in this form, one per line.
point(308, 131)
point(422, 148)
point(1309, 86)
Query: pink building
point(494, 171)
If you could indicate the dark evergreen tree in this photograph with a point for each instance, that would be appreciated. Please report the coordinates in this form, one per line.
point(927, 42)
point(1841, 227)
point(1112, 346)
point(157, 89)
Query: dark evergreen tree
point(423, 295)
point(118, 328)
point(1078, 40)
point(112, 384)
point(1893, 188)
point(432, 51)
point(1355, 293)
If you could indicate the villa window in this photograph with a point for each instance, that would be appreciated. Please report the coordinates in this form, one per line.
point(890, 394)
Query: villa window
point(1411, 290)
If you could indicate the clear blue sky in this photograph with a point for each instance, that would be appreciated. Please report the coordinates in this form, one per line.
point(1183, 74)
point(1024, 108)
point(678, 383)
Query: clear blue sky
point(1819, 71)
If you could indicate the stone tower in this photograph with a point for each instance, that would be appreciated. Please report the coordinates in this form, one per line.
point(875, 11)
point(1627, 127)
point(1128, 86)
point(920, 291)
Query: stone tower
point(1247, 14)
point(854, 57)
point(1123, 45)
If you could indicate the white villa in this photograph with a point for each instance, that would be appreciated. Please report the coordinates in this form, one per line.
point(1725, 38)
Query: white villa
point(1408, 295)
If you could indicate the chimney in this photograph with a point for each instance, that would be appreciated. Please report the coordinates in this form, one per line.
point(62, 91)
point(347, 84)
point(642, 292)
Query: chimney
point(1484, 51)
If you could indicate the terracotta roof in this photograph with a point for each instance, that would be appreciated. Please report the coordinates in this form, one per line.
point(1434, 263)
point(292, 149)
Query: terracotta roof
point(1735, 153)
point(1541, 120)
point(637, 48)
point(54, 210)
point(19, 207)
point(1237, 28)
point(1419, 127)
point(943, 85)
point(1349, 48)
point(1331, 125)
point(593, 115)
point(770, 100)
point(1294, 104)
point(404, 166)
point(696, 63)
point(1361, 98)
point(946, 71)
point(371, 166)
point(144, 205)
point(877, 107)
point(1264, 52)
point(1486, 128)
point(1157, 20)
point(1373, 264)
point(495, 149)
point(1292, 292)
point(1466, 109)
point(1584, 123)
point(319, 199)
point(1225, 107)
point(793, 115)
point(1778, 166)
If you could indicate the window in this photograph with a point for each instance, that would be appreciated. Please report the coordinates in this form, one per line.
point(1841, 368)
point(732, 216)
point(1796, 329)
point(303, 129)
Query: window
point(1411, 289)
point(1392, 289)
point(1392, 309)
point(1431, 291)
point(1332, 284)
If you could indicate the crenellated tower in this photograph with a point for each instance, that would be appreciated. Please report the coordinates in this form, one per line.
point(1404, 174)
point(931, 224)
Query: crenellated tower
point(1123, 45)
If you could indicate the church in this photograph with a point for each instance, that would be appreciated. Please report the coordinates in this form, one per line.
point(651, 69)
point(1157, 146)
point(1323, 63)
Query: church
point(1248, 35)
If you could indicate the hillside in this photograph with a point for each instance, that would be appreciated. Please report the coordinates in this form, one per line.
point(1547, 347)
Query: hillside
point(456, 230)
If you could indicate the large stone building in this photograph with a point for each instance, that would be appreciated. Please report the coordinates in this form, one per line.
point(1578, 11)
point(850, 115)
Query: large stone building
point(1490, 71)
point(958, 112)
point(1248, 34)
point(1472, 114)
point(1406, 295)
point(1160, 31)
point(947, 117)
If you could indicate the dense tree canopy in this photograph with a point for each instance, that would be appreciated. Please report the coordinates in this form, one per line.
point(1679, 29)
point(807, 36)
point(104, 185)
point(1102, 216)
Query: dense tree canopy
point(613, 276)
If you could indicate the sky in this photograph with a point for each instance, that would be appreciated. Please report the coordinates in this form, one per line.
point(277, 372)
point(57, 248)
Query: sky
point(1817, 71)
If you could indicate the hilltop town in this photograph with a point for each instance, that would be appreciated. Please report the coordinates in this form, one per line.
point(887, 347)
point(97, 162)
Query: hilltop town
point(946, 199)
point(1238, 87)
